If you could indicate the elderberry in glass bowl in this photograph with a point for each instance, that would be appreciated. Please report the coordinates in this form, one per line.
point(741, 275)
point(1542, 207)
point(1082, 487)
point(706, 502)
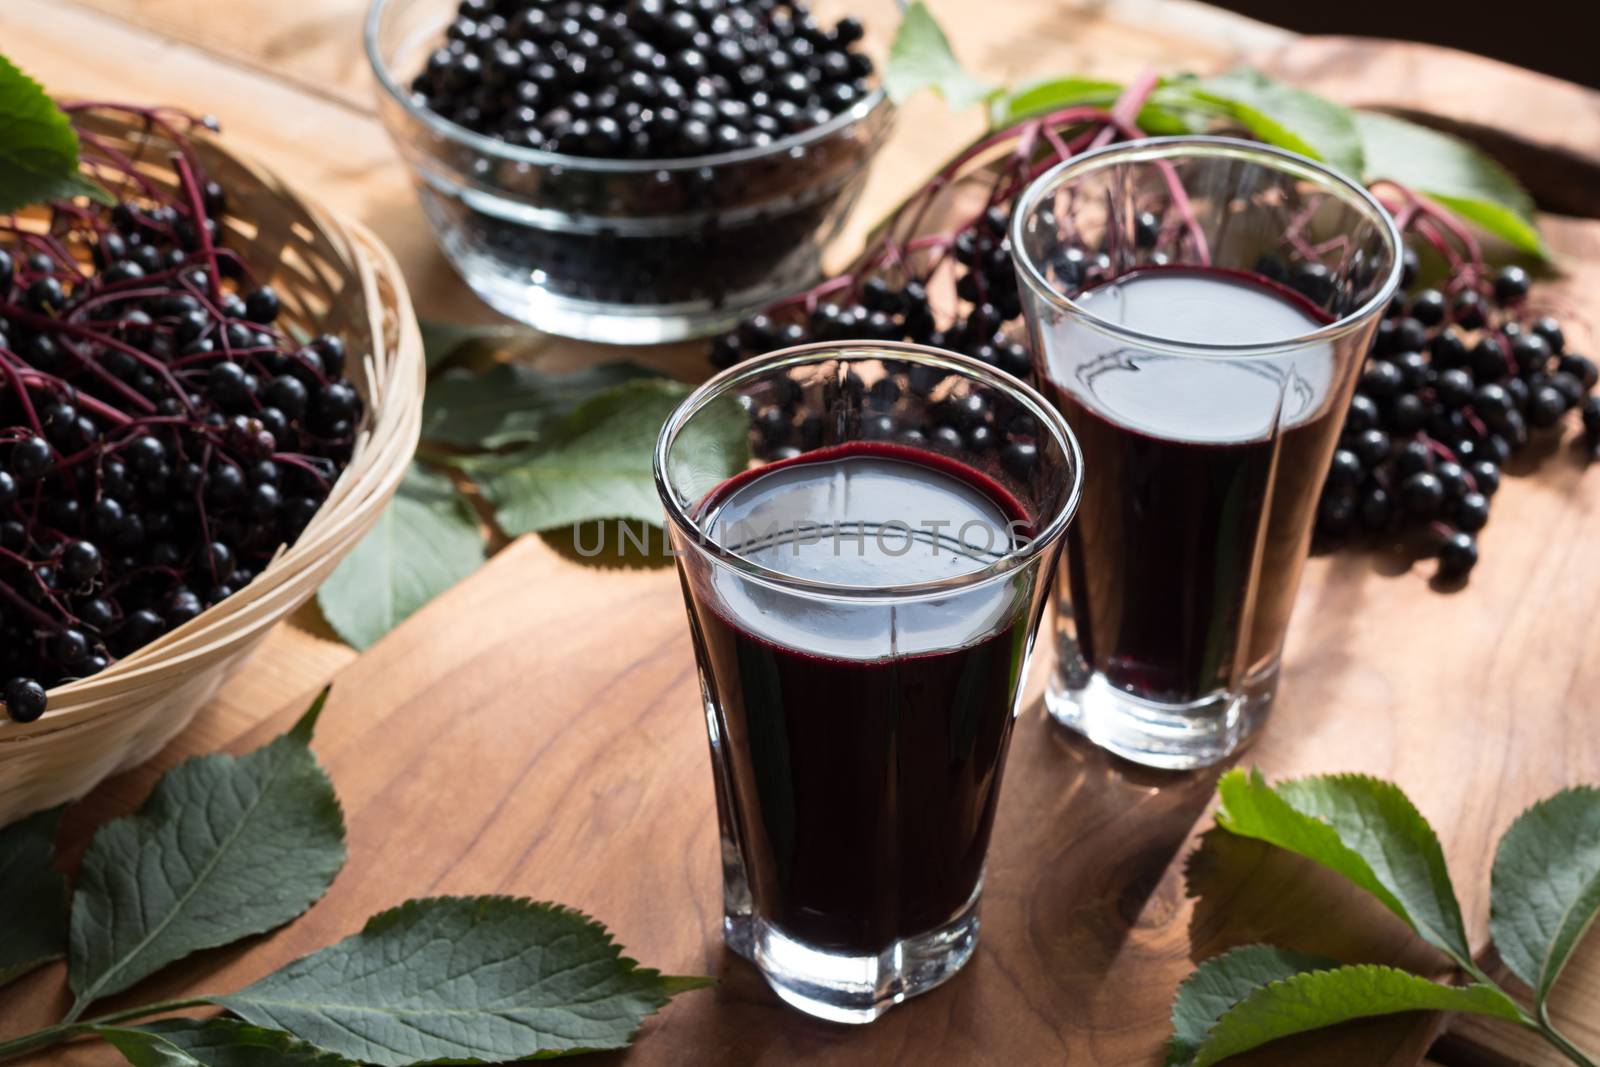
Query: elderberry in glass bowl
point(621, 250)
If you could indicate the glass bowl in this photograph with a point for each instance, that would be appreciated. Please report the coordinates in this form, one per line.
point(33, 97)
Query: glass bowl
point(620, 250)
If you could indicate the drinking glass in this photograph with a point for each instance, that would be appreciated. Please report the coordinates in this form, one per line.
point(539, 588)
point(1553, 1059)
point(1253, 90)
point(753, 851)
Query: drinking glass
point(863, 600)
point(1199, 309)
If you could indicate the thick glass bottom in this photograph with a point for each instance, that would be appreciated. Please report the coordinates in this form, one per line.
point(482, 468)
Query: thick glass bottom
point(1155, 733)
point(853, 989)
point(597, 285)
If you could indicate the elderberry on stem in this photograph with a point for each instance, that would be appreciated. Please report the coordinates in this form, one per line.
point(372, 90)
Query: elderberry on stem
point(161, 435)
point(1464, 371)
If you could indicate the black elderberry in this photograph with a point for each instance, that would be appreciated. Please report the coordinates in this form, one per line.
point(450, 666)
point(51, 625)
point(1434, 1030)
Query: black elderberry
point(1377, 509)
point(1336, 512)
point(1422, 495)
point(879, 427)
point(1458, 554)
point(1428, 307)
point(1580, 367)
point(1467, 310)
point(69, 647)
point(98, 614)
point(1448, 350)
point(1371, 447)
point(726, 349)
point(1346, 469)
point(80, 562)
point(1570, 388)
point(1511, 284)
point(1363, 414)
point(1485, 476)
point(261, 305)
point(1546, 405)
point(44, 296)
point(1381, 379)
point(25, 699)
point(288, 394)
point(1453, 387)
point(224, 484)
point(1409, 266)
point(1549, 329)
point(1415, 370)
point(227, 384)
point(337, 401)
point(182, 605)
point(1019, 458)
point(1407, 413)
point(145, 454)
point(1314, 281)
point(1452, 479)
point(1531, 352)
point(1471, 512)
point(30, 459)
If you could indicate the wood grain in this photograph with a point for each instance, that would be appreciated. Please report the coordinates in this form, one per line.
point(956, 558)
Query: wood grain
point(536, 730)
point(467, 765)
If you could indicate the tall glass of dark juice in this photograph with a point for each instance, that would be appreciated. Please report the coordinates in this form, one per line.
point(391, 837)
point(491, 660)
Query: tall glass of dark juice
point(863, 602)
point(1199, 310)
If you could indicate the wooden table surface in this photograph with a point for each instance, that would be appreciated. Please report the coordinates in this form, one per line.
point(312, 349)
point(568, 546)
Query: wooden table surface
point(535, 731)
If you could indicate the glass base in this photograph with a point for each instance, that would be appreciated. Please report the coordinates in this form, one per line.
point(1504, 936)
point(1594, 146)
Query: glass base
point(1174, 737)
point(853, 989)
point(519, 288)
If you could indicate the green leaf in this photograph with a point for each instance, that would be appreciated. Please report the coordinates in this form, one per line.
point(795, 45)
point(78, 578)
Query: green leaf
point(1221, 982)
point(34, 930)
point(921, 58)
point(213, 1043)
point(510, 403)
point(1053, 94)
point(595, 463)
point(463, 980)
point(224, 848)
point(1316, 999)
point(1546, 886)
point(1362, 828)
point(1285, 116)
point(38, 147)
point(425, 541)
point(1452, 172)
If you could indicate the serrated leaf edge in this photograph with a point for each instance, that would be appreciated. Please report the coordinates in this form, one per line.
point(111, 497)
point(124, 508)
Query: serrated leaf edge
point(1174, 1058)
point(389, 917)
point(1386, 896)
point(1547, 978)
point(1373, 968)
point(308, 720)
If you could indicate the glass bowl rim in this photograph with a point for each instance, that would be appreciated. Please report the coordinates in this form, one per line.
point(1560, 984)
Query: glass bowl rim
point(874, 102)
point(723, 383)
point(1159, 149)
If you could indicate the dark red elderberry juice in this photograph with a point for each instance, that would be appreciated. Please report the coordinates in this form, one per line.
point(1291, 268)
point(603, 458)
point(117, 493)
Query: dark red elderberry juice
point(1204, 475)
point(863, 742)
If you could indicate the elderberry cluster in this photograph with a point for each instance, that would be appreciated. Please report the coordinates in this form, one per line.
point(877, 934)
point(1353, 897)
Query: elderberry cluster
point(646, 79)
point(871, 309)
point(910, 409)
point(160, 436)
point(1459, 379)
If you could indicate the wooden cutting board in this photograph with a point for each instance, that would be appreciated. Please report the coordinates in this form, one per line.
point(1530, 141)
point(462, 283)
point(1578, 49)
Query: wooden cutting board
point(536, 731)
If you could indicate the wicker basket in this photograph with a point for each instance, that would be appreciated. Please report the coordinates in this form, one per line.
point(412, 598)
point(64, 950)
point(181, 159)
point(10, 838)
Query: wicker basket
point(331, 276)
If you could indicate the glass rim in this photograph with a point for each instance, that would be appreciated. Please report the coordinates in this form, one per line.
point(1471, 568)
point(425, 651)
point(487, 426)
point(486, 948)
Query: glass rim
point(1157, 149)
point(722, 384)
point(862, 109)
